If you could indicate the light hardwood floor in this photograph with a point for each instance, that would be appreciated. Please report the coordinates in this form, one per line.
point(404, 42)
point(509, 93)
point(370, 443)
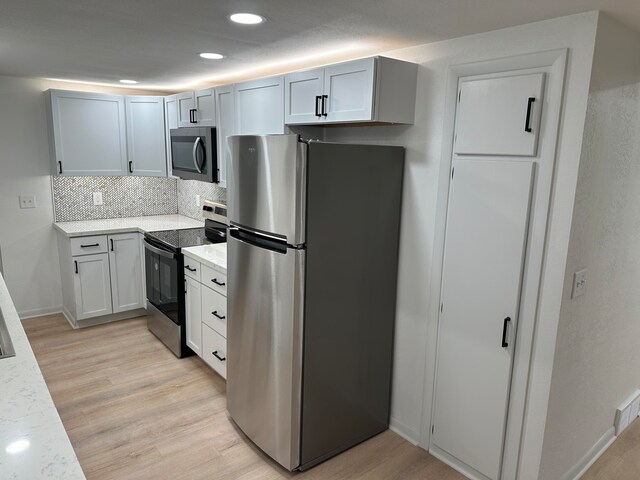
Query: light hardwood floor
point(621, 460)
point(134, 411)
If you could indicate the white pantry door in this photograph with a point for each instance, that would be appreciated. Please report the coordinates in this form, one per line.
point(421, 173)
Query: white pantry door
point(485, 246)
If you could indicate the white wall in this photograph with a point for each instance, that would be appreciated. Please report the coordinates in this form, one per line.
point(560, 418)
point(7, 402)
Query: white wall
point(416, 327)
point(597, 360)
point(27, 242)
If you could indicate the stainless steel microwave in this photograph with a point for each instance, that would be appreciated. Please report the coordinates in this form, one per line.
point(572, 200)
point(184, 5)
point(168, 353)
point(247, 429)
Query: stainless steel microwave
point(194, 153)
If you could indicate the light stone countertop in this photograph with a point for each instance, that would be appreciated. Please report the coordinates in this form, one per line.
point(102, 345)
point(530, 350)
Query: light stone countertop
point(214, 256)
point(33, 441)
point(107, 226)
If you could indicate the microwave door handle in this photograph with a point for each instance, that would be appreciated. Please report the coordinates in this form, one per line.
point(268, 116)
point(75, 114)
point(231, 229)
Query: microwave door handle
point(194, 153)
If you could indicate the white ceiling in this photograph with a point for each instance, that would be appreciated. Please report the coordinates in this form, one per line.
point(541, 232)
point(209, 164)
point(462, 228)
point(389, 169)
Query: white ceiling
point(158, 41)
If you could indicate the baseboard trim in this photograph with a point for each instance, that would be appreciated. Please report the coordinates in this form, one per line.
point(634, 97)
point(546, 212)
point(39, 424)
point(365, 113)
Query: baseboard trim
point(39, 312)
point(594, 453)
point(409, 434)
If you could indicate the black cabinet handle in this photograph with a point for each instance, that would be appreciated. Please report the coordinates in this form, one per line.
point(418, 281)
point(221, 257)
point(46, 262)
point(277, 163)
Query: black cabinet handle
point(215, 280)
point(318, 114)
point(111, 244)
point(76, 263)
point(60, 167)
point(527, 122)
point(504, 332)
point(324, 105)
point(189, 268)
point(130, 166)
point(215, 314)
point(192, 115)
point(215, 354)
point(89, 246)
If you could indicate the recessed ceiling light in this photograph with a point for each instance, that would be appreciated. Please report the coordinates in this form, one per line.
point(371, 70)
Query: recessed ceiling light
point(211, 56)
point(246, 18)
point(129, 82)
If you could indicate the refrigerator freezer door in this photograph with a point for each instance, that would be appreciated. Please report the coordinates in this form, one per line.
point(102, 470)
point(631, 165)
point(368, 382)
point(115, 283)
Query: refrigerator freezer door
point(266, 185)
point(265, 305)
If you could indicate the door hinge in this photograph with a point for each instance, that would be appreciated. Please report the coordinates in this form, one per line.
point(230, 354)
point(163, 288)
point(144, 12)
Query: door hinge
point(459, 95)
point(441, 307)
point(432, 429)
point(452, 172)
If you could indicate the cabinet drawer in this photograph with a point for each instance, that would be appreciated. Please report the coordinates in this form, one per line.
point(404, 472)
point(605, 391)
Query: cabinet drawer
point(214, 350)
point(214, 279)
point(192, 268)
point(88, 245)
point(214, 310)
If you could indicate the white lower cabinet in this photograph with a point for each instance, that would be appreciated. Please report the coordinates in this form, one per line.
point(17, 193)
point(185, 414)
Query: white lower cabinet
point(206, 314)
point(92, 286)
point(193, 309)
point(103, 277)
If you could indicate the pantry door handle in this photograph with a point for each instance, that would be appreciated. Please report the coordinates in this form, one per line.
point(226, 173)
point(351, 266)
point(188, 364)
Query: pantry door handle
point(215, 354)
point(324, 105)
point(527, 122)
point(505, 326)
point(318, 114)
point(215, 314)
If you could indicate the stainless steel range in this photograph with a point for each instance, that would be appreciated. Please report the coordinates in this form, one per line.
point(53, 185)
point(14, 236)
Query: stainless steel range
point(164, 265)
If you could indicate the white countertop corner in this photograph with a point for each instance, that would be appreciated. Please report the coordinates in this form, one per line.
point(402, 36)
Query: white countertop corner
point(33, 441)
point(107, 226)
point(214, 256)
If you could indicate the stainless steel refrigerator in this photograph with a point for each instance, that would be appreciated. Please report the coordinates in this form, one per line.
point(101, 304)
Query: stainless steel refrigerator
point(312, 272)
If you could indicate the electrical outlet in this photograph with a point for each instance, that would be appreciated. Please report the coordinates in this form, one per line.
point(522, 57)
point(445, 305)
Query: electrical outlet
point(27, 201)
point(579, 283)
point(97, 199)
point(197, 200)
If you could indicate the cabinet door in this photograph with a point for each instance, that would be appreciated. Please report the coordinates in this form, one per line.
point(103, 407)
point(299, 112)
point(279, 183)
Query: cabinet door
point(489, 202)
point(92, 286)
point(126, 272)
point(349, 88)
point(185, 104)
point(500, 115)
point(303, 97)
point(226, 121)
point(146, 136)
point(193, 309)
point(89, 133)
point(206, 107)
point(260, 106)
point(170, 121)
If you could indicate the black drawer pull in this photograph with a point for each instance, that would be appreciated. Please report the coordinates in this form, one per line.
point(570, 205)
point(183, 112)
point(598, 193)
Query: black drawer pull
point(505, 325)
point(215, 354)
point(215, 314)
point(215, 280)
point(190, 269)
point(89, 246)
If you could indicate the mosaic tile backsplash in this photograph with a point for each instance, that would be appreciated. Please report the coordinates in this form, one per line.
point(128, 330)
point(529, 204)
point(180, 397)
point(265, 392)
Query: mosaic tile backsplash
point(122, 197)
point(187, 191)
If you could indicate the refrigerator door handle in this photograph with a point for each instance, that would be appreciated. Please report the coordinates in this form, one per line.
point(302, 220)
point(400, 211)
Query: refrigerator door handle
point(258, 240)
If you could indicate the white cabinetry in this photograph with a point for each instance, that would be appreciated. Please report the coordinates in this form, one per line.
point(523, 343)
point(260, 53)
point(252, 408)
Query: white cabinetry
point(226, 122)
point(376, 89)
point(92, 286)
point(87, 133)
point(260, 106)
point(196, 108)
point(101, 277)
point(146, 136)
point(125, 264)
point(170, 122)
point(193, 313)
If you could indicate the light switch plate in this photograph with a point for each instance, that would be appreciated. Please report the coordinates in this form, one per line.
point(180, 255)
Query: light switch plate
point(197, 200)
point(27, 201)
point(97, 199)
point(579, 283)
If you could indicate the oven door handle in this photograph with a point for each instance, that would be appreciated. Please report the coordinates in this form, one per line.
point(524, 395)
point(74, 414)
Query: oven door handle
point(194, 153)
point(157, 250)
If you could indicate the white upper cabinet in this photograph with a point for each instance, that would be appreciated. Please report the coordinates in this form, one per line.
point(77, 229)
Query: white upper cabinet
point(170, 122)
point(376, 89)
point(196, 108)
point(146, 136)
point(226, 121)
point(499, 115)
point(260, 106)
point(88, 133)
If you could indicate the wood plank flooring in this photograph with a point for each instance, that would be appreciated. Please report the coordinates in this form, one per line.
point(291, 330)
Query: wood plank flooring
point(134, 411)
point(621, 460)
